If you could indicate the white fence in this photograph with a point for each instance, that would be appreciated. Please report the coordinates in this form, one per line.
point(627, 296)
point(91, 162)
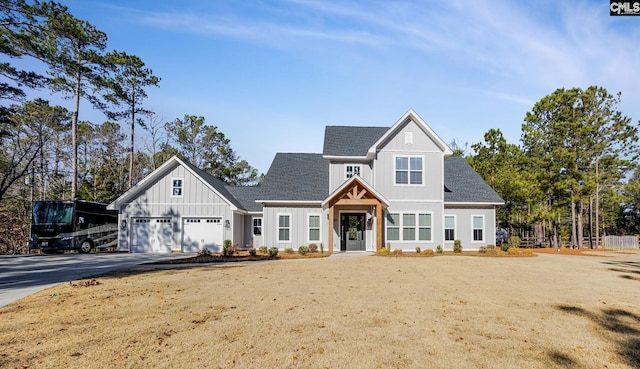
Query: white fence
point(621, 242)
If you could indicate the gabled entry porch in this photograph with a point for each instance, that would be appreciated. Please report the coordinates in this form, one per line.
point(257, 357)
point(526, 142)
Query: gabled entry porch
point(355, 217)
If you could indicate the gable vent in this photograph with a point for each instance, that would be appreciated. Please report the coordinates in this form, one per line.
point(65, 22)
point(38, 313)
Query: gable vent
point(408, 138)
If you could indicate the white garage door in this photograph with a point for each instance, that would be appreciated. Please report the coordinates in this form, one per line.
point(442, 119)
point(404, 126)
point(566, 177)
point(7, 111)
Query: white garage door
point(200, 233)
point(151, 235)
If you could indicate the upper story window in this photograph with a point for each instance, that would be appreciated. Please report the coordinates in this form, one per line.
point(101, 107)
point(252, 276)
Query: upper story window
point(352, 170)
point(176, 187)
point(408, 170)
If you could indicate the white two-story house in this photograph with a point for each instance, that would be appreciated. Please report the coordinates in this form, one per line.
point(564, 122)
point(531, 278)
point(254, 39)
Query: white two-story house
point(372, 187)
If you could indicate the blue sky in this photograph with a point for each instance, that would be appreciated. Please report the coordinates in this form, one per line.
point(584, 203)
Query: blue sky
point(272, 74)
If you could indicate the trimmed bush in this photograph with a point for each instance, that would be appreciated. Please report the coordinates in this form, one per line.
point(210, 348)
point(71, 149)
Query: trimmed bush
point(504, 247)
point(227, 249)
point(313, 248)
point(482, 249)
point(383, 252)
point(457, 246)
point(418, 249)
point(515, 241)
point(439, 249)
point(321, 249)
point(252, 252)
point(263, 249)
point(273, 252)
point(303, 250)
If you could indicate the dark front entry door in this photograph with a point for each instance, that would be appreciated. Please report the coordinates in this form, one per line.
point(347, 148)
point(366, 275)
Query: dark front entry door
point(352, 231)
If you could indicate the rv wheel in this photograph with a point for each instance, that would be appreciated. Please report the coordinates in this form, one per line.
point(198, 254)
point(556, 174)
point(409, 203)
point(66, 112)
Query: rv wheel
point(85, 246)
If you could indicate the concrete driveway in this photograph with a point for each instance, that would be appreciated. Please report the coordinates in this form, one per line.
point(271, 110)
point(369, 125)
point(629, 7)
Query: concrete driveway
point(22, 275)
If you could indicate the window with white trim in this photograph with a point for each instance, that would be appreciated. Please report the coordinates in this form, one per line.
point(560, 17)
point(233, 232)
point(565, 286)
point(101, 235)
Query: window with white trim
point(408, 170)
point(424, 227)
point(284, 227)
point(176, 187)
point(257, 226)
point(414, 226)
point(408, 227)
point(449, 227)
point(351, 170)
point(478, 228)
point(393, 227)
point(314, 228)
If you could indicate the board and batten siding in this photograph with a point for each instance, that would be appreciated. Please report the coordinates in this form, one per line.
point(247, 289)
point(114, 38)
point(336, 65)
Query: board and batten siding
point(299, 227)
point(337, 174)
point(412, 207)
point(198, 200)
point(249, 237)
point(420, 145)
point(464, 227)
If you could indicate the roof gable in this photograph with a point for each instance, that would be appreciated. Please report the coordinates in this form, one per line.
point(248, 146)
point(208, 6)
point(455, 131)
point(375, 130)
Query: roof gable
point(216, 185)
point(408, 116)
point(355, 188)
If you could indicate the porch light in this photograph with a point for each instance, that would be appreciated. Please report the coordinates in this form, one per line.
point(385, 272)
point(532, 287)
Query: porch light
point(123, 224)
point(227, 224)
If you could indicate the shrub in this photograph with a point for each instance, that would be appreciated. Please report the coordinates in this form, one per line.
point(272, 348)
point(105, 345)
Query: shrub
point(492, 252)
point(504, 247)
point(273, 252)
point(252, 252)
point(457, 246)
point(384, 251)
point(439, 249)
point(321, 249)
point(515, 241)
point(227, 249)
point(396, 252)
point(263, 249)
point(204, 252)
point(519, 251)
point(303, 250)
point(418, 249)
point(288, 250)
point(482, 249)
point(313, 248)
point(428, 252)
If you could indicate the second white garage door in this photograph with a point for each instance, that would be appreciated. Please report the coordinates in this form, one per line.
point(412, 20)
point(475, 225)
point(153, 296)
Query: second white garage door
point(200, 233)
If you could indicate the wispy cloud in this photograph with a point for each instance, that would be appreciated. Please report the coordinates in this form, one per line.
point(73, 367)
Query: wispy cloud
point(543, 44)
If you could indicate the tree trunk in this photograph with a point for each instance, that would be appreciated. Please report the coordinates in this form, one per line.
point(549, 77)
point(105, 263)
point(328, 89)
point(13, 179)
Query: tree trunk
point(74, 135)
point(133, 127)
point(580, 225)
point(573, 222)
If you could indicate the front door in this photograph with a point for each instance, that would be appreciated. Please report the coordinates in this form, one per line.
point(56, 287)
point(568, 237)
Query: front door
point(352, 231)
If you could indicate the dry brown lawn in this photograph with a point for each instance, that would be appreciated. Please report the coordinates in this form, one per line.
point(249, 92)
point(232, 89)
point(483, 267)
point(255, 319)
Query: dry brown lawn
point(550, 311)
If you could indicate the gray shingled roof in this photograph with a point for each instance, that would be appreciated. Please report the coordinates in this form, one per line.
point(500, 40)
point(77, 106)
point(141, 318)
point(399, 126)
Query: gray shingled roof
point(247, 196)
point(297, 177)
point(463, 184)
point(350, 141)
